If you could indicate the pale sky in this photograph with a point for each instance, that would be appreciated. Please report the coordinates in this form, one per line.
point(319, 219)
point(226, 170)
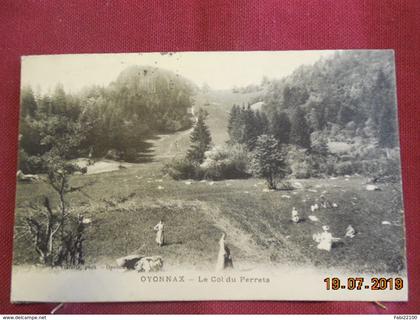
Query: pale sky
point(220, 70)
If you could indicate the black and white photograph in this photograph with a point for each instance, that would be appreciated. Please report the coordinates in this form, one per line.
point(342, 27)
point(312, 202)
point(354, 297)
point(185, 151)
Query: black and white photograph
point(260, 175)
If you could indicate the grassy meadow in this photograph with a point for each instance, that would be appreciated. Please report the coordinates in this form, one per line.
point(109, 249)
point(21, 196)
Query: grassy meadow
point(257, 222)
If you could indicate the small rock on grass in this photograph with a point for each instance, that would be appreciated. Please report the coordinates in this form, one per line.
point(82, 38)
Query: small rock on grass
point(297, 185)
point(128, 262)
point(372, 187)
point(149, 264)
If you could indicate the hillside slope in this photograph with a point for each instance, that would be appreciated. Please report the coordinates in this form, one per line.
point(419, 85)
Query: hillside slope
point(218, 105)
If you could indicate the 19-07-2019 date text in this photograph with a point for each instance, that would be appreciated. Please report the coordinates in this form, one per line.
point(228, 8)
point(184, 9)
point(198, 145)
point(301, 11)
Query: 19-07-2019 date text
point(359, 283)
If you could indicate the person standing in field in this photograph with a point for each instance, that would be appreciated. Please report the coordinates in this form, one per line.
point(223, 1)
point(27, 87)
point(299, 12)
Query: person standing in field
point(224, 259)
point(159, 233)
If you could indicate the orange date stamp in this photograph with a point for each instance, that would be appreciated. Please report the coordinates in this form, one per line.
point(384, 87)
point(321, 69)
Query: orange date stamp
point(360, 283)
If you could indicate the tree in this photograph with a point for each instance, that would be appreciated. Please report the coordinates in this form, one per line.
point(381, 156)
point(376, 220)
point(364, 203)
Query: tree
point(59, 100)
point(384, 111)
point(60, 136)
point(320, 146)
point(29, 140)
point(250, 130)
point(268, 160)
point(43, 225)
point(317, 117)
point(387, 130)
point(294, 96)
point(380, 97)
point(200, 139)
point(262, 123)
point(58, 235)
point(234, 120)
point(300, 133)
point(28, 105)
point(280, 127)
point(346, 114)
point(245, 125)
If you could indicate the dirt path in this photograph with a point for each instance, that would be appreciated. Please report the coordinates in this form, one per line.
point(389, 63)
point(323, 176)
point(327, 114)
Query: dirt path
point(170, 145)
point(249, 250)
point(101, 166)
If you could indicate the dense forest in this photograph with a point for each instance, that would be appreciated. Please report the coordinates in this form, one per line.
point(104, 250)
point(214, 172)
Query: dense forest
point(335, 117)
point(100, 121)
point(351, 92)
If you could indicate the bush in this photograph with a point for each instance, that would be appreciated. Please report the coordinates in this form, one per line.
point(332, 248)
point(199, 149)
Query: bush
point(384, 169)
point(182, 168)
point(113, 154)
point(285, 186)
point(330, 165)
point(345, 167)
point(31, 164)
point(130, 155)
point(302, 170)
point(305, 165)
point(225, 163)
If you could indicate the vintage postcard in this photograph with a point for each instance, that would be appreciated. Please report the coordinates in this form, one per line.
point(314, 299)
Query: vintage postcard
point(209, 176)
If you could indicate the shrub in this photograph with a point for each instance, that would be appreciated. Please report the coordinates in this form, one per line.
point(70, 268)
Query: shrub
point(330, 165)
point(301, 170)
point(304, 165)
point(130, 155)
point(31, 164)
point(384, 169)
point(285, 186)
point(113, 154)
point(225, 163)
point(320, 146)
point(182, 168)
point(345, 167)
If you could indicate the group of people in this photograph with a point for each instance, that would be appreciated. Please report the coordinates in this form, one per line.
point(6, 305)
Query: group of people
point(325, 239)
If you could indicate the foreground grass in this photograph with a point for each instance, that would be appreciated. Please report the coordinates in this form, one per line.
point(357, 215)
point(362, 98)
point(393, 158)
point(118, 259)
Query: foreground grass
point(125, 205)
